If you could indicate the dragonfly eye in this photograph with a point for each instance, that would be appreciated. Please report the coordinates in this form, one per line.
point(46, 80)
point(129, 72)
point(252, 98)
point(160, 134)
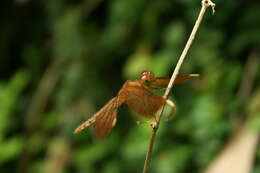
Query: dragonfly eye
point(147, 76)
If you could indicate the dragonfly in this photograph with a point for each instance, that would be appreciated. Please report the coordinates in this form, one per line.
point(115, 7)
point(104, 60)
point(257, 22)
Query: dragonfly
point(138, 96)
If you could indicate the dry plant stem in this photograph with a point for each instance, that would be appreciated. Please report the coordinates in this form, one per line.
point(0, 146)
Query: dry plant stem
point(205, 4)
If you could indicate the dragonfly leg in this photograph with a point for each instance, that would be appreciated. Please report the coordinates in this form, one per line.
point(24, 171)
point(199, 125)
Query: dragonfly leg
point(173, 108)
point(153, 124)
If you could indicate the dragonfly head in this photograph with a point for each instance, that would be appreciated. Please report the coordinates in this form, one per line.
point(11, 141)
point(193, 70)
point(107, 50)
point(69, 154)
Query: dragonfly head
point(147, 76)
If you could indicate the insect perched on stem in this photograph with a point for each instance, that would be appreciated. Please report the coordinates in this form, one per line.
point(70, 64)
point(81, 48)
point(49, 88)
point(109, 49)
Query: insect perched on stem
point(137, 94)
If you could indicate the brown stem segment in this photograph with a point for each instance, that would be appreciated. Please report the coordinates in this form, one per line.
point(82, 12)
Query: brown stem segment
point(205, 4)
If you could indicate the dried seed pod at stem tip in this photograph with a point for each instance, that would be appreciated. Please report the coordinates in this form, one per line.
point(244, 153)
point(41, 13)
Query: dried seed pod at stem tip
point(209, 3)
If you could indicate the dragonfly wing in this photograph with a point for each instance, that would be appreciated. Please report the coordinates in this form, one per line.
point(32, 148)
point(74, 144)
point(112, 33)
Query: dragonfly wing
point(107, 118)
point(85, 124)
point(164, 81)
point(104, 120)
point(143, 102)
point(183, 78)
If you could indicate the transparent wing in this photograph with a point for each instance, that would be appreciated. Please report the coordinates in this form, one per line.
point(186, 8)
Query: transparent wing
point(104, 120)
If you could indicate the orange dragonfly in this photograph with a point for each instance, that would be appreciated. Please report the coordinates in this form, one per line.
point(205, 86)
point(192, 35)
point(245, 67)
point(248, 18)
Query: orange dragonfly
point(137, 94)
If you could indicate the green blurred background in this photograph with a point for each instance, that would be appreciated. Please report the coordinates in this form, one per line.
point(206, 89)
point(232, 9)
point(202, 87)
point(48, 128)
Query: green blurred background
point(61, 60)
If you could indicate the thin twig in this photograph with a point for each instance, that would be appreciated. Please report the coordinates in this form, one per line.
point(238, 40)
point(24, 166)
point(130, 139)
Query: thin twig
point(204, 5)
point(37, 108)
point(248, 77)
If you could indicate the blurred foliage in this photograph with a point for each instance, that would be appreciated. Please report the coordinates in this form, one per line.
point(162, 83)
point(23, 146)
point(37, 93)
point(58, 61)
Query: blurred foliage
point(60, 61)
